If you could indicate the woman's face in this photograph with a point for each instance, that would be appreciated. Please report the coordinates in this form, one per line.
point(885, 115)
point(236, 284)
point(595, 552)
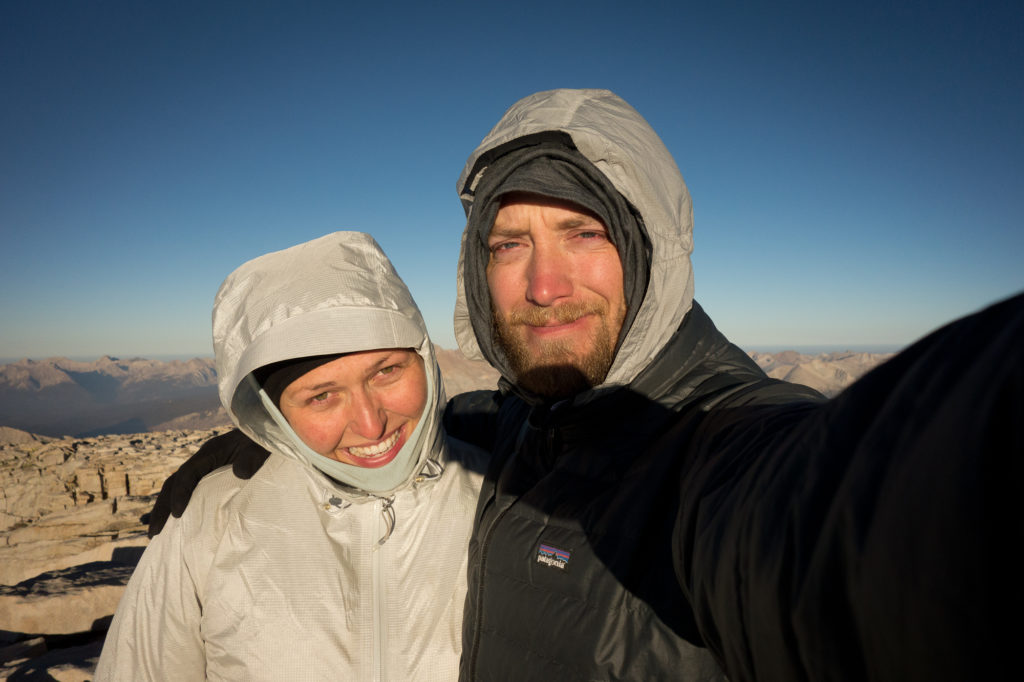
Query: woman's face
point(359, 409)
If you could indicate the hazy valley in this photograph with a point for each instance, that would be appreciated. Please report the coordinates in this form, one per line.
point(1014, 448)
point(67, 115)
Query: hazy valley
point(58, 397)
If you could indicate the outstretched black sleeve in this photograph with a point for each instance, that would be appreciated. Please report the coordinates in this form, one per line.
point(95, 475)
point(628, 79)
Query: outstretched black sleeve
point(233, 447)
point(472, 417)
point(876, 536)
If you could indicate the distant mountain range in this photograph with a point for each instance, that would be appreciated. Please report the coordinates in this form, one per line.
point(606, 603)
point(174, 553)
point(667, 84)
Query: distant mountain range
point(59, 397)
point(829, 373)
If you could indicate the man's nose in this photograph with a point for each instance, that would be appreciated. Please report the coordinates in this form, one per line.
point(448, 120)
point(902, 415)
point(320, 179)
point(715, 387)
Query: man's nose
point(548, 276)
point(367, 417)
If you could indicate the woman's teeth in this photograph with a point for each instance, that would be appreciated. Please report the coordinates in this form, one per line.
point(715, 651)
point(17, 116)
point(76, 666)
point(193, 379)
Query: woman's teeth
point(378, 449)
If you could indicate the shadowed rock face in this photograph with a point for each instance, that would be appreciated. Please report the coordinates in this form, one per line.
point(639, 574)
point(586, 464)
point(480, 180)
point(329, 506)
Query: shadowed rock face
point(65, 601)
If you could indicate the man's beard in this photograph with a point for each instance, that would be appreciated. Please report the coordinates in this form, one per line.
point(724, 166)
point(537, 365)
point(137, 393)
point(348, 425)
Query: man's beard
point(557, 370)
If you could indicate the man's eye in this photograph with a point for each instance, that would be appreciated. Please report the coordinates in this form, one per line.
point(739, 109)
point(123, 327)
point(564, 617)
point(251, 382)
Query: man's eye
point(387, 370)
point(319, 397)
point(506, 251)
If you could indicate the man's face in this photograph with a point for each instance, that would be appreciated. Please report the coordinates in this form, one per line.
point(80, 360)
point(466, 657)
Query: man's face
point(557, 297)
point(361, 408)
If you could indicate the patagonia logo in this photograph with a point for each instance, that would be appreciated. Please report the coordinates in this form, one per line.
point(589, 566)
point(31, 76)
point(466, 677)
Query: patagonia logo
point(552, 556)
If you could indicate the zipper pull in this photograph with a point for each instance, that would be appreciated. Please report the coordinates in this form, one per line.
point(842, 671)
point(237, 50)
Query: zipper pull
point(387, 509)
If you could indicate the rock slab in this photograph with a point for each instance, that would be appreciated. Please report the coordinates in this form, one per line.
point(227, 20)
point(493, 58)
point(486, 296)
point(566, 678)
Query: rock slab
point(71, 532)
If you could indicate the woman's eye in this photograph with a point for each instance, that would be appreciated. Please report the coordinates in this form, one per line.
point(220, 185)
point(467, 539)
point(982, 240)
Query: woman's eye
point(319, 397)
point(391, 372)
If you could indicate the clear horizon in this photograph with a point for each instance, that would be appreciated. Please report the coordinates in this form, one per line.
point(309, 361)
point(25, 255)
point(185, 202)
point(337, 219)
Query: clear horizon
point(857, 169)
point(806, 350)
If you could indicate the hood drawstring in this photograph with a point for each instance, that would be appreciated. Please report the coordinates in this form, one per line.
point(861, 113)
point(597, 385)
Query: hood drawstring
point(387, 509)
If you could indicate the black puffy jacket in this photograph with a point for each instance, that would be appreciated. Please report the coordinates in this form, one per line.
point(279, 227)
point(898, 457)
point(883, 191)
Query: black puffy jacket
point(571, 573)
point(876, 536)
point(690, 501)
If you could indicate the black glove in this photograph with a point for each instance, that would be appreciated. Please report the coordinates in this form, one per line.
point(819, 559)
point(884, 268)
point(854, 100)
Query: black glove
point(233, 447)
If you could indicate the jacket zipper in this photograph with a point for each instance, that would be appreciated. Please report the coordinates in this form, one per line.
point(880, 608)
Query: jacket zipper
point(378, 589)
point(484, 550)
point(479, 616)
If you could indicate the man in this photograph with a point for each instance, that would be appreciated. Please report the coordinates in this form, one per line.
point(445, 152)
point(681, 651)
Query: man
point(576, 284)
point(651, 488)
point(652, 492)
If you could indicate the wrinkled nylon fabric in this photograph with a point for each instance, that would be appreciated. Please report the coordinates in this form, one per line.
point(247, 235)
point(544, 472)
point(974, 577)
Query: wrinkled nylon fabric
point(282, 576)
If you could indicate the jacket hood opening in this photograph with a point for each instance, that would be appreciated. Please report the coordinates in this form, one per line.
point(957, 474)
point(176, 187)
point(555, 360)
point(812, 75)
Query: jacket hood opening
point(334, 295)
point(622, 162)
point(549, 169)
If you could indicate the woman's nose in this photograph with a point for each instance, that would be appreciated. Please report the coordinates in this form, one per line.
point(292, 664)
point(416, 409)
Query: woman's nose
point(367, 418)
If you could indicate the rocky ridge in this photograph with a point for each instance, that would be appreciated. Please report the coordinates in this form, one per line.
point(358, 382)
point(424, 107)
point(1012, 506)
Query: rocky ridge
point(58, 396)
point(828, 373)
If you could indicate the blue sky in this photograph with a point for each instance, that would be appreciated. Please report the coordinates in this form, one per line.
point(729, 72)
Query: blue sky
point(857, 170)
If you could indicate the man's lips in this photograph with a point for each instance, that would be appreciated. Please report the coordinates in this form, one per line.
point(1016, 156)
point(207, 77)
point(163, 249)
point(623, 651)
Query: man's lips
point(565, 315)
point(552, 327)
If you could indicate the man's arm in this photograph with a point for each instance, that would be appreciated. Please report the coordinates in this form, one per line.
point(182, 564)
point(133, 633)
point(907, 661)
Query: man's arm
point(877, 536)
point(233, 447)
point(472, 417)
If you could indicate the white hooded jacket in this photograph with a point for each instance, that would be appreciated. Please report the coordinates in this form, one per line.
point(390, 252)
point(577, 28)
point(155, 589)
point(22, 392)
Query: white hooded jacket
point(291, 574)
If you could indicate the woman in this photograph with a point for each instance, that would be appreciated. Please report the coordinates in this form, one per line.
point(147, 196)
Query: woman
point(344, 556)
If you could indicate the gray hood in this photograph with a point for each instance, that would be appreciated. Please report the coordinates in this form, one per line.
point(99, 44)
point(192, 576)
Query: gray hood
point(622, 146)
point(335, 294)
